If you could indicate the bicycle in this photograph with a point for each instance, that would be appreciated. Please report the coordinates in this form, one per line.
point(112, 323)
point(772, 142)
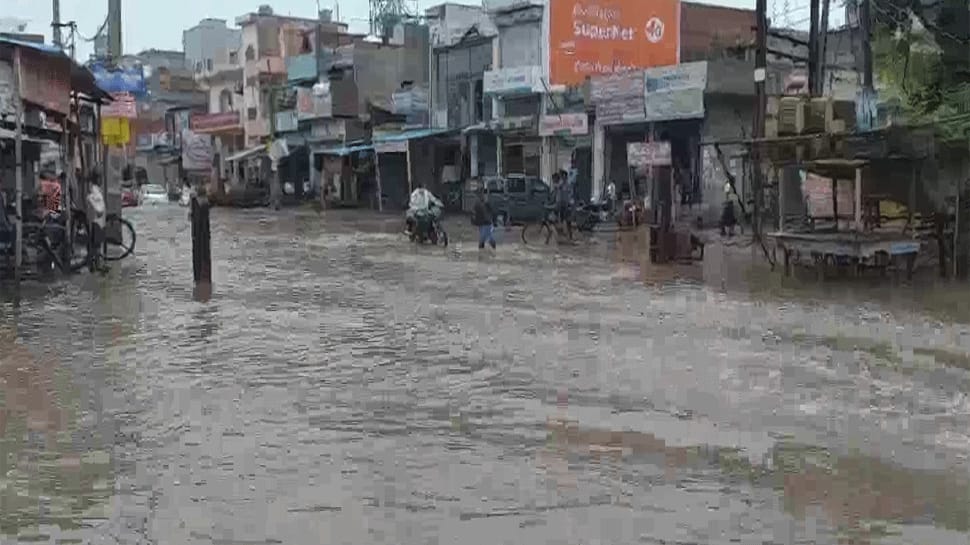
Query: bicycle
point(119, 235)
point(551, 223)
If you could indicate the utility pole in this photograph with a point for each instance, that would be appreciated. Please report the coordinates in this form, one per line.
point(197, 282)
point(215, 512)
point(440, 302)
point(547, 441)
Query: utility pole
point(758, 130)
point(813, 49)
point(56, 23)
point(823, 40)
point(114, 29)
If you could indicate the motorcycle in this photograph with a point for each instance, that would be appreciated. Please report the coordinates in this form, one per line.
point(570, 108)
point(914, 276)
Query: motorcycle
point(425, 227)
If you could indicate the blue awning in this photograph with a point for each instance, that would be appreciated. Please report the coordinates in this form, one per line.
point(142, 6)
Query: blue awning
point(344, 151)
point(412, 135)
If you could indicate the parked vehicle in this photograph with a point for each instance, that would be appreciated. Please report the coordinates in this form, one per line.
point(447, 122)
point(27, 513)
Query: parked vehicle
point(154, 194)
point(517, 198)
point(130, 197)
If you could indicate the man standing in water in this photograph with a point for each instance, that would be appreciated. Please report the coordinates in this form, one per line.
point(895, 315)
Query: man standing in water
point(484, 218)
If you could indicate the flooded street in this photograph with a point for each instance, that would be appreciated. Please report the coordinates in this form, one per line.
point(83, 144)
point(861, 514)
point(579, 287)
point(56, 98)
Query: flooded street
point(343, 386)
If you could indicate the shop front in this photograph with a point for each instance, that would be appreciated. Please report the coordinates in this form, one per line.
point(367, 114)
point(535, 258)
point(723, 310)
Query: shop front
point(569, 148)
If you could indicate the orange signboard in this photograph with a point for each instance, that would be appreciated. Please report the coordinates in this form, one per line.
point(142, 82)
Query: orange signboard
point(597, 37)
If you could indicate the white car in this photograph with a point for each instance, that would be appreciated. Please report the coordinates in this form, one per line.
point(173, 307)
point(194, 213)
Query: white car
point(154, 194)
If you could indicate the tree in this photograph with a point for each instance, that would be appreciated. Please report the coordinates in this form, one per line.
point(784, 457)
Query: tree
point(921, 52)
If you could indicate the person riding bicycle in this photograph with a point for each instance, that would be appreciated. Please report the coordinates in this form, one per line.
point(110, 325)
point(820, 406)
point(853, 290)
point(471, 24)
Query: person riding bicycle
point(422, 202)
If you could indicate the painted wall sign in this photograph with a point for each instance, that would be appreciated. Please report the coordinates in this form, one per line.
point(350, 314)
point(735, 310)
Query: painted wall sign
point(564, 124)
point(593, 37)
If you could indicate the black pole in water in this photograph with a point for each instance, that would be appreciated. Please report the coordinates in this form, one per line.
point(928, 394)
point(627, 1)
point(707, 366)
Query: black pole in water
point(201, 242)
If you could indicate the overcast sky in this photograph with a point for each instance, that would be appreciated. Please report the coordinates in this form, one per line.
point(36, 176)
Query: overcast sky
point(159, 24)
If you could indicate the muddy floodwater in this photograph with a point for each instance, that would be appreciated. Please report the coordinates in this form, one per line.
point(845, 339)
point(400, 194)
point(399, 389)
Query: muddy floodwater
point(342, 386)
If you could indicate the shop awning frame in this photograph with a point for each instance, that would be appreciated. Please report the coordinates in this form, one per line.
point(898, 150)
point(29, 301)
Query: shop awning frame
point(246, 154)
point(343, 151)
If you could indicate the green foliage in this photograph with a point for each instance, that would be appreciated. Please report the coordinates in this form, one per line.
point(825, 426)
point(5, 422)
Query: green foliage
point(914, 65)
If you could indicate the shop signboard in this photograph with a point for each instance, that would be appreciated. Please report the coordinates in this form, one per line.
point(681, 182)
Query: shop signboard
point(675, 92)
point(646, 154)
point(590, 38)
point(564, 124)
point(620, 110)
point(208, 123)
point(515, 123)
point(115, 131)
point(616, 86)
point(122, 105)
point(394, 146)
point(286, 121)
point(510, 81)
point(328, 129)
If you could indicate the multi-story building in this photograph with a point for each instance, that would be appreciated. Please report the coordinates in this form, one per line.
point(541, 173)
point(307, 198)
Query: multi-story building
point(222, 81)
point(208, 43)
point(267, 41)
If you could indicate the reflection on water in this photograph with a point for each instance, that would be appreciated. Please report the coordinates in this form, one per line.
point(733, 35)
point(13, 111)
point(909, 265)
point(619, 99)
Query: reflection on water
point(49, 474)
point(339, 385)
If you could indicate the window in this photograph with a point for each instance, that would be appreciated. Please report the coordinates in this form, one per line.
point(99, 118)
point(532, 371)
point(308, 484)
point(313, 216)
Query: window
point(225, 101)
point(251, 114)
point(233, 57)
point(250, 53)
point(515, 185)
point(208, 64)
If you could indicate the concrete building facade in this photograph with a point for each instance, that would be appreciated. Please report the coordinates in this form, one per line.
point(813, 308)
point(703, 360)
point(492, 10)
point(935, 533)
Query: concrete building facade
point(208, 44)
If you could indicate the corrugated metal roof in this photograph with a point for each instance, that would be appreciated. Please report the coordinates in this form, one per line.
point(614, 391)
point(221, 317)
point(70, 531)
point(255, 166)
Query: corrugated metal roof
point(82, 80)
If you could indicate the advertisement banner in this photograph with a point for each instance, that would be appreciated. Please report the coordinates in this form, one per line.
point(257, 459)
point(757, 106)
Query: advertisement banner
point(124, 78)
point(596, 37)
point(675, 92)
point(196, 151)
point(564, 124)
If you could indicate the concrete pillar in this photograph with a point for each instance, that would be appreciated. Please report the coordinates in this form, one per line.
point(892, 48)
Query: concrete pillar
point(473, 154)
point(599, 161)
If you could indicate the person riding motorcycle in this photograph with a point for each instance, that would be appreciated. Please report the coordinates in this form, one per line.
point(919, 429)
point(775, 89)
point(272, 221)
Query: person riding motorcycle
point(422, 205)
